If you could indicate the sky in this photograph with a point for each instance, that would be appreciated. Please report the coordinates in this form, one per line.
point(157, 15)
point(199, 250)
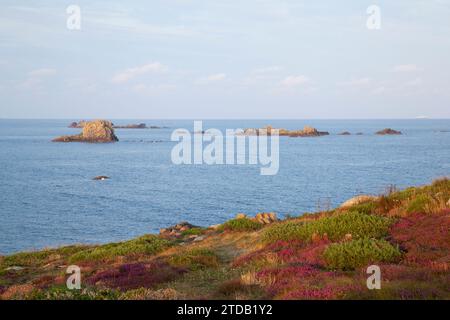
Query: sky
point(225, 59)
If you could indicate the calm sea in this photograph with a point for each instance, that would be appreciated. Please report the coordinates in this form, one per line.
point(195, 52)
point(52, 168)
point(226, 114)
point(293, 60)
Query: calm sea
point(48, 197)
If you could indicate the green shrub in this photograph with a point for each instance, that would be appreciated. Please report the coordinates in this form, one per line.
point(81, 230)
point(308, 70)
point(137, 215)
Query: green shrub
point(243, 224)
point(359, 253)
point(418, 204)
point(195, 259)
point(366, 207)
point(336, 227)
point(148, 244)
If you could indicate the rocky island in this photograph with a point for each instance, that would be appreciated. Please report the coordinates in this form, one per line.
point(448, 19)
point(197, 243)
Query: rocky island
point(388, 131)
point(82, 123)
point(306, 132)
point(98, 131)
point(132, 126)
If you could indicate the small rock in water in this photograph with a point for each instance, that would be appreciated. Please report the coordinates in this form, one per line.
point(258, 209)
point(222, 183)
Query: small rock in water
point(101, 178)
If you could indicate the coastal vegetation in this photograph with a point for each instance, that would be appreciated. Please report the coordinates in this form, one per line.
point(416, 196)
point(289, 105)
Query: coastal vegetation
point(321, 255)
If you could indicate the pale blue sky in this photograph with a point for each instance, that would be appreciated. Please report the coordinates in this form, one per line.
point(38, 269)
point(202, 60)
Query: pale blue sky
point(225, 59)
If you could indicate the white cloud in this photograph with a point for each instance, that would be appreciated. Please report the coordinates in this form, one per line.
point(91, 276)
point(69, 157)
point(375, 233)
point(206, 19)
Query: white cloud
point(406, 68)
point(264, 75)
point(295, 81)
point(212, 78)
point(152, 90)
point(128, 74)
point(379, 90)
point(265, 70)
point(216, 77)
point(44, 72)
point(36, 77)
point(356, 83)
point(414, 83)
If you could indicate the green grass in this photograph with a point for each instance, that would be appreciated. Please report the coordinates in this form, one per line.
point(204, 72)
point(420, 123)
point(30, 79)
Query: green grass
point(241, 225)
point(195, 259)
point(360, 253)
point(145, 245)
point(193, 231)
point(336, 227)
point(62, 293)
point(366, 207)
point(418, 204)
point(36, 258)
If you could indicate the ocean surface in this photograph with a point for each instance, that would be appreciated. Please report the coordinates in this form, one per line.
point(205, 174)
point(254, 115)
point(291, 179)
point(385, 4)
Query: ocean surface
point(48, 197)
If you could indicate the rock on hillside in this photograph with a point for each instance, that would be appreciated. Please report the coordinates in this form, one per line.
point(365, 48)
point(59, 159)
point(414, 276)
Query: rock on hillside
point(99, 131)
point(357, 200)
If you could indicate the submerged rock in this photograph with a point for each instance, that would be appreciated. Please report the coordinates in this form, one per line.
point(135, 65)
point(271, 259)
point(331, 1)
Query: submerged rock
point(345, 133)
point(99, 131)
point(388, 131)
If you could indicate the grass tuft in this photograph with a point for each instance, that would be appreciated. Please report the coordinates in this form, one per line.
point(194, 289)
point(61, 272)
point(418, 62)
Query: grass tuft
point(241, 225)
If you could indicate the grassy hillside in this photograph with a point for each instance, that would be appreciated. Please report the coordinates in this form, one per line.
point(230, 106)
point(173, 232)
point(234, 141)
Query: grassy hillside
point(316, 256)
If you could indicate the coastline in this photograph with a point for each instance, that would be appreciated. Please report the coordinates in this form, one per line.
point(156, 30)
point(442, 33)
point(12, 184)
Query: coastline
point(252, 257)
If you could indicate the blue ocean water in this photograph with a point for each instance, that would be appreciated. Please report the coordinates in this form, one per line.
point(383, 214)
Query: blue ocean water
point(48, 197)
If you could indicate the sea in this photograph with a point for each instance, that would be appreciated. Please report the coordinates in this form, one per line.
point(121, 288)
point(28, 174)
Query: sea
point(48, 197)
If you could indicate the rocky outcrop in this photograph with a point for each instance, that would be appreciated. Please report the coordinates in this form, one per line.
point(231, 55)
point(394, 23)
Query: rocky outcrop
point(263, 218)
point(357, 200)
point(177, 230)
point(100, 178)
point(306, 132)
point(388, 131)
point(345, 133)
point(132, 126)
point(98, 131)
point(79, 124)
point(266, 218)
